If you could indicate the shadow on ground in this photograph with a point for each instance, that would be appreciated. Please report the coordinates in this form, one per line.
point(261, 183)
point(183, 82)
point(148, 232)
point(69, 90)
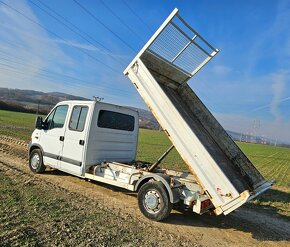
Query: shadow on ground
point(261, 231)
point(268, 201)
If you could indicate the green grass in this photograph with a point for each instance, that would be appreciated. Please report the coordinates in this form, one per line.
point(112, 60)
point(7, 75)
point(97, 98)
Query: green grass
point(272, 162)
point(33, 213)
point(152, 144)
point(16, 124)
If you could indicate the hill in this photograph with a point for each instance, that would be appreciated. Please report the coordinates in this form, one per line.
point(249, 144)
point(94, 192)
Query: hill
point(39, 102)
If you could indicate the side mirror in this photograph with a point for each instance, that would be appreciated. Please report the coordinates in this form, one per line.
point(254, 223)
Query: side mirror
point(39, 123)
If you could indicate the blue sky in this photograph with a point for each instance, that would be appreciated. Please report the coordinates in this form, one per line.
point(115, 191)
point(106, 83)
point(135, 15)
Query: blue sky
point(248, 82)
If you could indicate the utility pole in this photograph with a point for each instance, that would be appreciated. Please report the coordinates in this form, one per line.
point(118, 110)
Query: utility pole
point(37, 108)
point(256, 126)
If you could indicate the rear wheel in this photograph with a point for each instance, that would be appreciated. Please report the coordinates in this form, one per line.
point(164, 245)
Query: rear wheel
point(153, 201)
point(36, 161)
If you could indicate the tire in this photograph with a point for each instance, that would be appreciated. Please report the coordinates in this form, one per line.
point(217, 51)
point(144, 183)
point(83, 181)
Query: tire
point(36, 161)
point(153, 201)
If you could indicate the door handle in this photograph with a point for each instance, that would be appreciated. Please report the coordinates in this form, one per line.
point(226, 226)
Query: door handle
point(61, 138)
point(82, 142)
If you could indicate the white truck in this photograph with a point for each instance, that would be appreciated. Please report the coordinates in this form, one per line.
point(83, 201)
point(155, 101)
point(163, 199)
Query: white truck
point(98, 141)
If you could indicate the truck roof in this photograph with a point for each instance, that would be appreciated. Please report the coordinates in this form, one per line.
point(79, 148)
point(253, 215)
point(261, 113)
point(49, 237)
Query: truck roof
point(93, 102)
point(89, 102)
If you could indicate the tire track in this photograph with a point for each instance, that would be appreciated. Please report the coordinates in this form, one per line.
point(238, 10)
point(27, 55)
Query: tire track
point(280, 171)
point(270, 170)
point(268, 159)
point(13, 146)
point(283, 173)
point(13, 140)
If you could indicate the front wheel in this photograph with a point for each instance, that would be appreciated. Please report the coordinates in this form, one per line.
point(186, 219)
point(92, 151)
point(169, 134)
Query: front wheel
point(36, 161)
point(153, 201)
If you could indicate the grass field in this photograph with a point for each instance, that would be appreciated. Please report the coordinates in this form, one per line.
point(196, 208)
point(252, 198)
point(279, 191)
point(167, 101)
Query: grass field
point(273, 162)
point(16, 124)
point(34, 213)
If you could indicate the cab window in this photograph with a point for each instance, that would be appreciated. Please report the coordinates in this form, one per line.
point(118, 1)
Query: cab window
point(78, 118)
point(49, 119)
point(57, 118)
point(115, 120)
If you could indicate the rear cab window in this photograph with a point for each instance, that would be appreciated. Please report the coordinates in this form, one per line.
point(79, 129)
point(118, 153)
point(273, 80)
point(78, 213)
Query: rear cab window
point(78, 118)
point(116, 120)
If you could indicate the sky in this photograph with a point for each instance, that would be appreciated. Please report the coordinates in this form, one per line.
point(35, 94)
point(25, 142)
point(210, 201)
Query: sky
point(59, 46)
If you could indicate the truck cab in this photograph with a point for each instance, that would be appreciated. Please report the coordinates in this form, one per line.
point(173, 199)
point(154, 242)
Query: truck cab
point(78, 134)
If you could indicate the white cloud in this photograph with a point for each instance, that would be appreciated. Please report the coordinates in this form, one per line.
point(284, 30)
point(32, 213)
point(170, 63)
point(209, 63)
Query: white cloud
point(41, 38)
point(266, 42)
point(278, 86)
point(221, 70)
point(33, 53)
point(269, 105)
point(242, 124)
point(72, 43)
point(87, 47)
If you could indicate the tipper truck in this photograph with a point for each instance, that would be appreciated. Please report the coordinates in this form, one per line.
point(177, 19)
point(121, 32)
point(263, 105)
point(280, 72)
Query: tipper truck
point(98, 141)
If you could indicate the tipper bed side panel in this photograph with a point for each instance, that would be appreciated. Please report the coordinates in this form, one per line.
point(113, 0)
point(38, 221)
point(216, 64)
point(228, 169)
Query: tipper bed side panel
point(240, 162)
point(206, 139)
point(223, 149)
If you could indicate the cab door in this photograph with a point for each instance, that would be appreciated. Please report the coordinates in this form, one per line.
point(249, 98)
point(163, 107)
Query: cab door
point(52, 136)
point(74, 141)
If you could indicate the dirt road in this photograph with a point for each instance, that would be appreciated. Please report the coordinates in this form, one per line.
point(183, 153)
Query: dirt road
point(245, 227)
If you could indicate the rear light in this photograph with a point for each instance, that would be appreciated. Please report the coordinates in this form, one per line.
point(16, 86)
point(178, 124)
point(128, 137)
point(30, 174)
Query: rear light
point(205, 204)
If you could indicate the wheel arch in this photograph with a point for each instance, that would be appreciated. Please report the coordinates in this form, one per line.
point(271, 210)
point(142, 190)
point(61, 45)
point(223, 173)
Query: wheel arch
point(164, 179)
point(34, 146)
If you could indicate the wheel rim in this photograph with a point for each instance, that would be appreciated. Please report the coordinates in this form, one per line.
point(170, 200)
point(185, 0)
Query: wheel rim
point(152, 201)
point(35, 161)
